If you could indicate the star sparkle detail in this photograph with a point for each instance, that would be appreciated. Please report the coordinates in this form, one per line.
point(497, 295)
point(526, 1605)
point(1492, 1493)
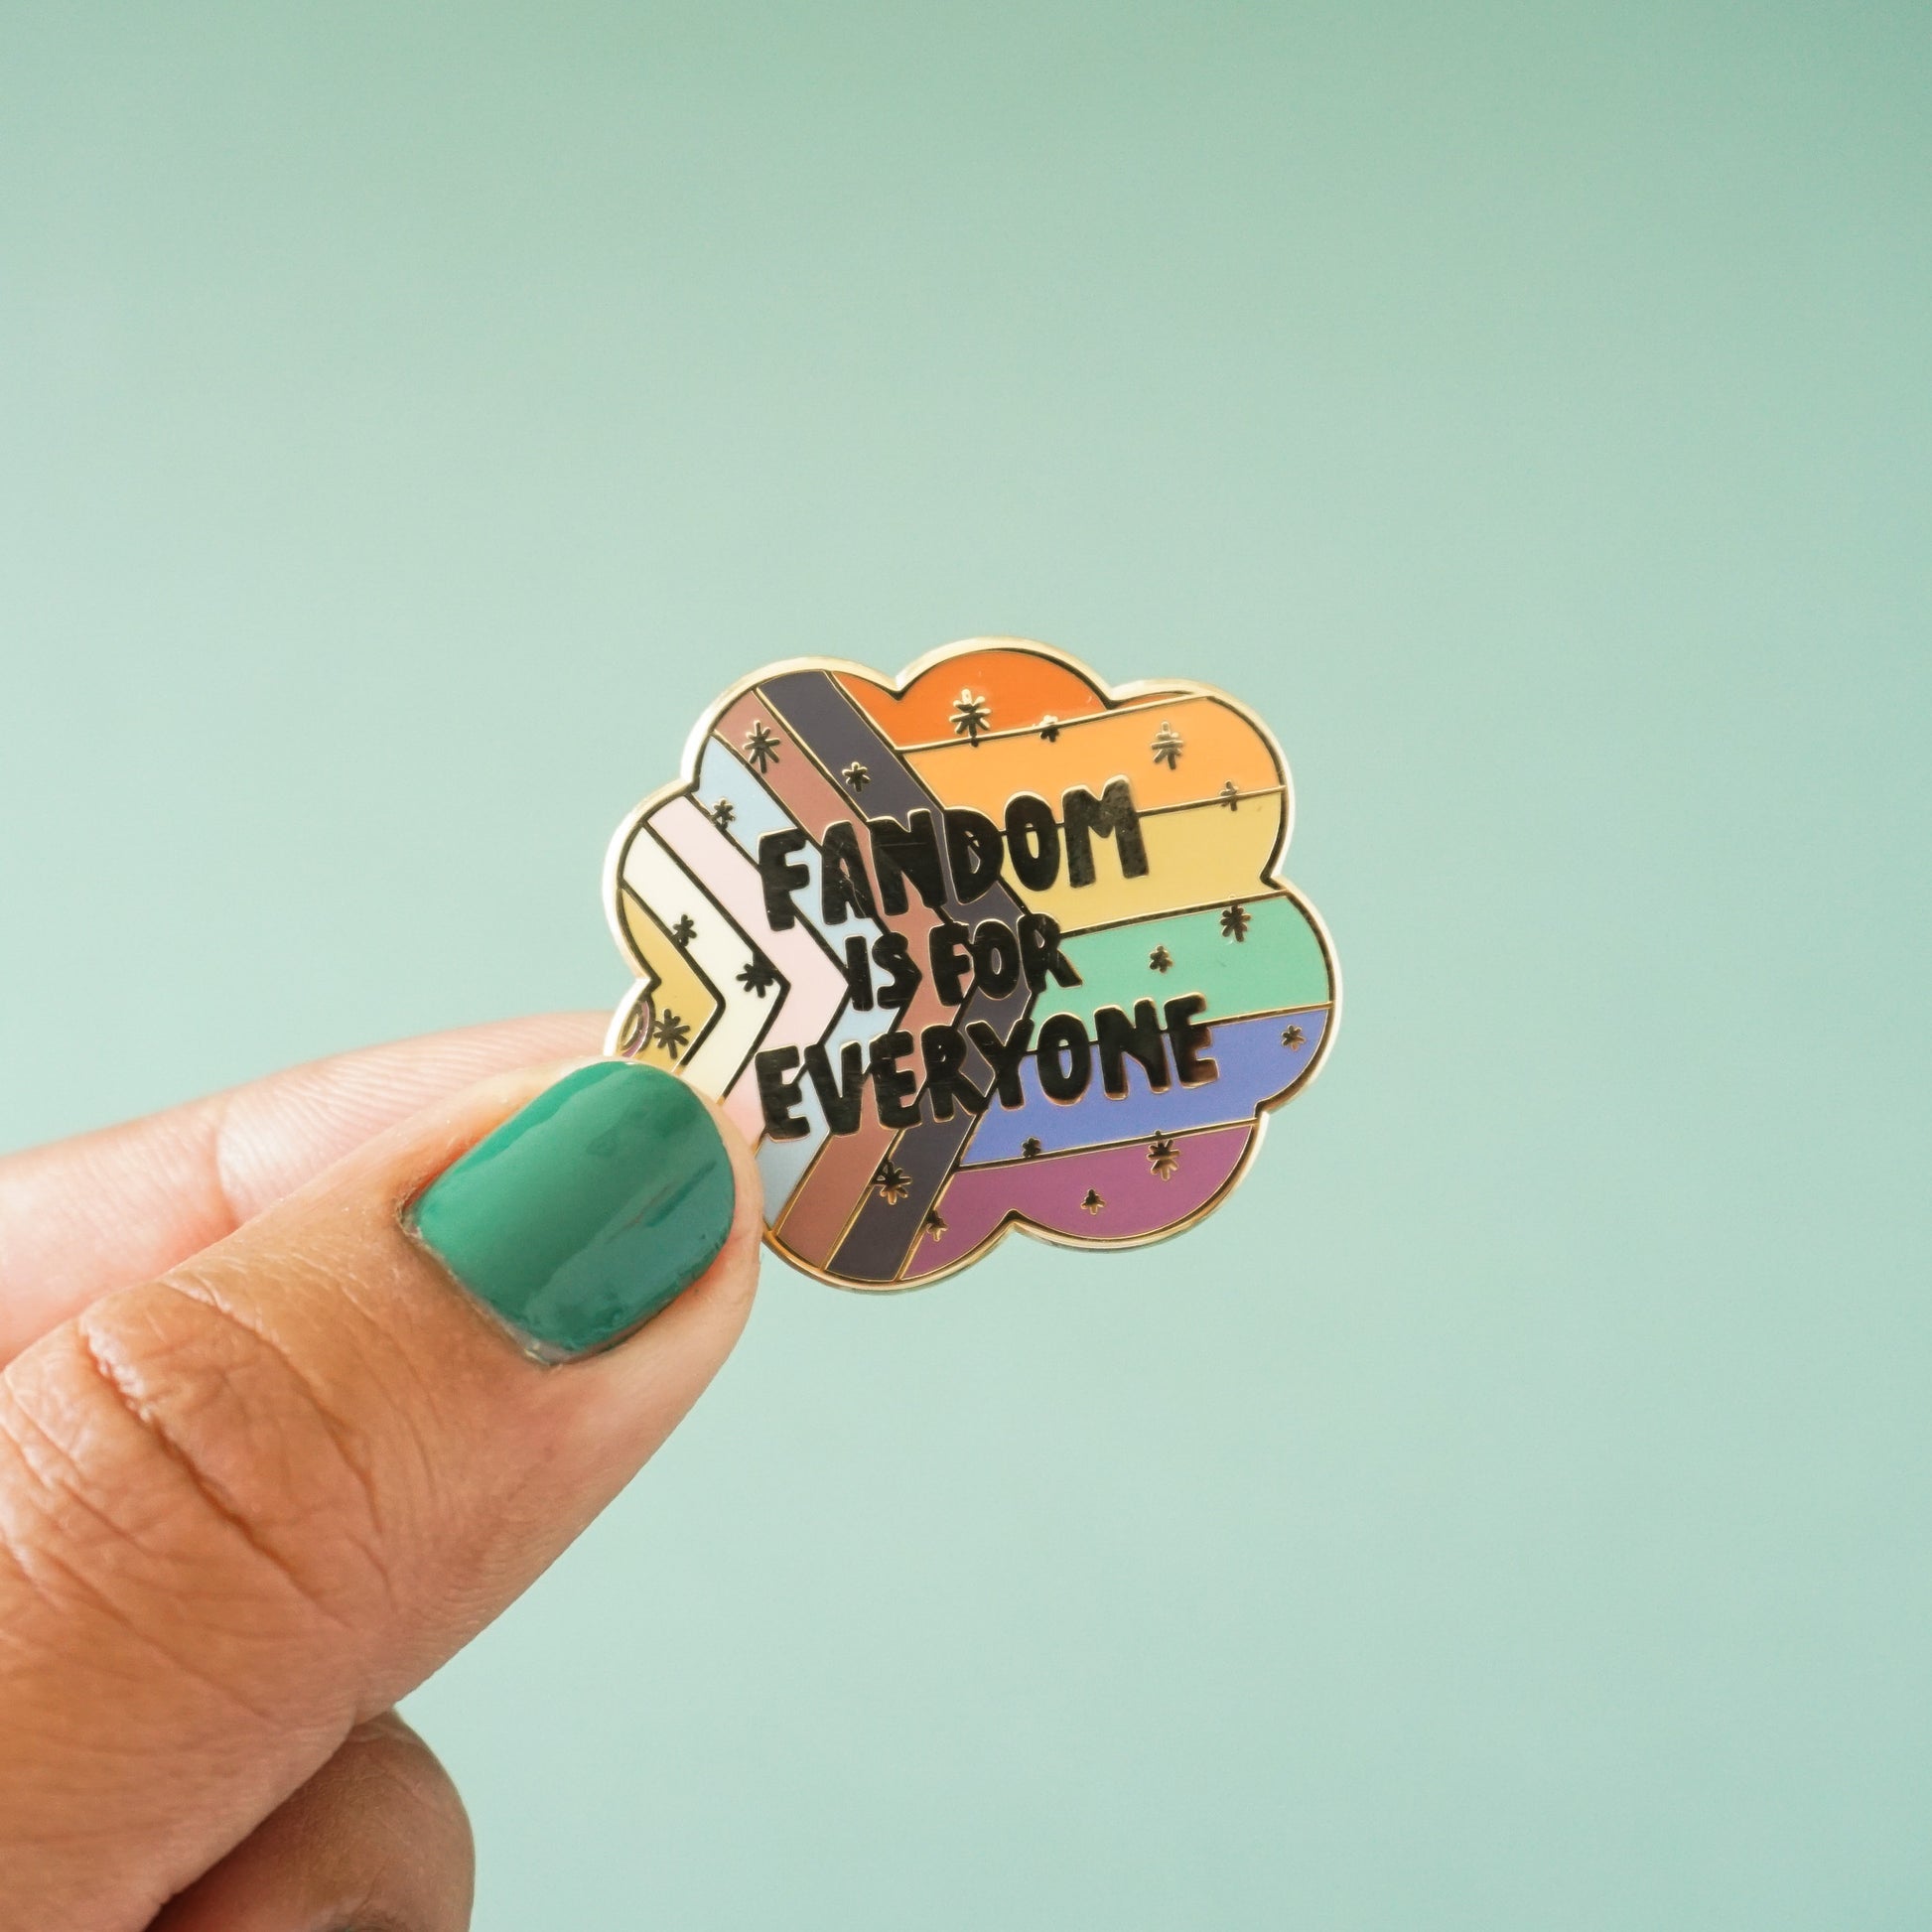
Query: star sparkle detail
point(1031, 1149)
point(1093, 1202)
point(1161, 960)
point(1161, 1157)
point(684, 932)
point(758, 975)
point(1230, 795)
point(934, 1223)
point(1049, 728)
point(762, 747)
point(1292, 1036)
point(856, 777)
point(969, 716)
point(1235, 921)
point(722, 814)
point(894, 1184)
point(1168, 745)
point(670, 1033)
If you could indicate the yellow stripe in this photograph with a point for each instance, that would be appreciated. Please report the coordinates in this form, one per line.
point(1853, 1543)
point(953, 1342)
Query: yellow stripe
point(1197, 856)
point(678, 989)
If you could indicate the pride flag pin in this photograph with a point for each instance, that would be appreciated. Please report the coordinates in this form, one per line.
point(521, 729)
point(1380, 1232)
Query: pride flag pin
point(987, 945)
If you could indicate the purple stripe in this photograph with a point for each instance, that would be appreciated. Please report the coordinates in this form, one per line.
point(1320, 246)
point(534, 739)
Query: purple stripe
point(1254, 1066)
point(1051, 1192)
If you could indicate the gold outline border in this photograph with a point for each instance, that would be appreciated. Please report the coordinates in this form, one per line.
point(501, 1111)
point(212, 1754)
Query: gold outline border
point(1131, 696)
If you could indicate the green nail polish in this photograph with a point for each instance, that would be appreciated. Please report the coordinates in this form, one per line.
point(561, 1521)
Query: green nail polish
point(587, 1211)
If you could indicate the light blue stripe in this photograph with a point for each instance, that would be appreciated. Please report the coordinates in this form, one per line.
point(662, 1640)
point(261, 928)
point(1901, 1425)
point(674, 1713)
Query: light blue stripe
point(755, 812)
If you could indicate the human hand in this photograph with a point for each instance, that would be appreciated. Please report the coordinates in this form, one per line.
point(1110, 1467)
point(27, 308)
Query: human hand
point(263, 1466)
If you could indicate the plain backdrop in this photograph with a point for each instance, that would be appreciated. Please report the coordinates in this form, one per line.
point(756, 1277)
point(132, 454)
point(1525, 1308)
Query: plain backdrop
point(1510, 1511)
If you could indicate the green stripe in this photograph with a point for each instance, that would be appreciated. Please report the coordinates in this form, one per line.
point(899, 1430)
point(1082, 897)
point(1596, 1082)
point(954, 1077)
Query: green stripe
point(1279, 964)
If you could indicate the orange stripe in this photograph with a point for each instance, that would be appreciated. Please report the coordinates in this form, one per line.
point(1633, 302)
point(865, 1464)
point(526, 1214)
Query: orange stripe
point(1020, 688)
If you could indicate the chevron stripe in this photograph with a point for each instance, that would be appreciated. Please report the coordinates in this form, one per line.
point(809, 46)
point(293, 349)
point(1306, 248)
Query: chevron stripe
point(718, 949)
point(814, 989)
point(834, 1170)
point(821, 715)
point(782, 1165)
point(671, 982)
point(757, 810)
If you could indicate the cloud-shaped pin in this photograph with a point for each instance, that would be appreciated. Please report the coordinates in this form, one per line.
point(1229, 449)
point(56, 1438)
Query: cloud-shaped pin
point(988, 945)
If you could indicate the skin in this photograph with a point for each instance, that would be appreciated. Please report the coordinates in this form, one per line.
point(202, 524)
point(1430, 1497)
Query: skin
point(262, 1470)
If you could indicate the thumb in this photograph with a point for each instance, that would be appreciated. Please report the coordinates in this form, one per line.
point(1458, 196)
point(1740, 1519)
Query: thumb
point(249, 1505)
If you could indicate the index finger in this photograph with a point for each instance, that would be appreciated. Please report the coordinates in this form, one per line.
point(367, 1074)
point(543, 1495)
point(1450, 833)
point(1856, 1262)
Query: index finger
point(85, 1216)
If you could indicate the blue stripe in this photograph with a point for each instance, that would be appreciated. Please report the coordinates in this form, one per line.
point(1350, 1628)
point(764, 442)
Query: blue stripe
point(1251, 1064)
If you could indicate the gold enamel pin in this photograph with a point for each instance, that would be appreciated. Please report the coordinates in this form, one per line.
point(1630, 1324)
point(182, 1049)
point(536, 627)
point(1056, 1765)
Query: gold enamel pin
point(987, 945)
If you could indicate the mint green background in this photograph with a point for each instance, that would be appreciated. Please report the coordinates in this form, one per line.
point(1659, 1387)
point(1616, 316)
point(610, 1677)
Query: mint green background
point(1510, 1512)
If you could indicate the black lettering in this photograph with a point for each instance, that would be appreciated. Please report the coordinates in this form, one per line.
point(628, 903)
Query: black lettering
point(1063, 1035)
point(946, 951)
point(944, 1053)
point(842, 881)
point(1117, 1040)
point(780, 877)
point(778, 1095)
point(974, 850)
point(1039, 951)
point(1188, 1038)
point(996, 959)
point(1006, 1057)
point(1113, 816)
point(893, 953)
point(908, 850)
point(839, 1098)
point(1033, 839)
point(892, 1087)
point(858, 975)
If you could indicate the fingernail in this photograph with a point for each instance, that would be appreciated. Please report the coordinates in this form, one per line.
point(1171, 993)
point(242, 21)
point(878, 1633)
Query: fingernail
point(586, 1212)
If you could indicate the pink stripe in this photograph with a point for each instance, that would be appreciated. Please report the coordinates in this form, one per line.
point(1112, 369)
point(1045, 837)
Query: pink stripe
point(817, 986)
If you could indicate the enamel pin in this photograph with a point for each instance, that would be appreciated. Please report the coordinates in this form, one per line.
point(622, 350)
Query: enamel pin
point(986, 946)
